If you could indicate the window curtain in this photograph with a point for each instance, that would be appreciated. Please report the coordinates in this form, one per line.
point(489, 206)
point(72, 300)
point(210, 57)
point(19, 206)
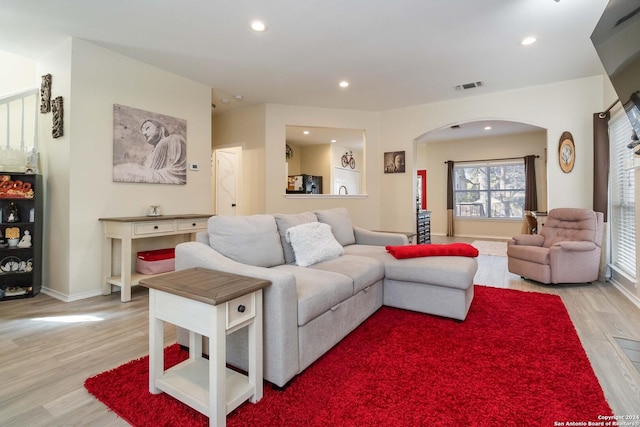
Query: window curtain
point(450, 231)
point(601, 162)
point(530, 192)
point(601, 159)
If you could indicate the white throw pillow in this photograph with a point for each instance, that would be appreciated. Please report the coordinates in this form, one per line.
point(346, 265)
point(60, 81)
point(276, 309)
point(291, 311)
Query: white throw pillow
point(313, 242)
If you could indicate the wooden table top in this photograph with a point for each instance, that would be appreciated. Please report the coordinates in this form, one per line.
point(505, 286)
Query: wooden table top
point(154, 218)
point(204, 285)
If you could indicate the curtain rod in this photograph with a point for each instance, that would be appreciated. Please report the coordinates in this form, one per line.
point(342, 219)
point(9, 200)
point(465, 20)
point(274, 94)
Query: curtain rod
point(489, 160)
point(604, 113)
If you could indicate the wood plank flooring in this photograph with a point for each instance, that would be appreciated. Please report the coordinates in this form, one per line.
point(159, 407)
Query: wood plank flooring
point(44, 362)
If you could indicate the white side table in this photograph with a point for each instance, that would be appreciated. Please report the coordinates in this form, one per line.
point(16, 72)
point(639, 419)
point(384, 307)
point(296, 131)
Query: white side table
point(213, 304)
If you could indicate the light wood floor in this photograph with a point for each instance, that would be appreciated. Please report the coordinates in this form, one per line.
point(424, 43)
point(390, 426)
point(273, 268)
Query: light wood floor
point(43, 363)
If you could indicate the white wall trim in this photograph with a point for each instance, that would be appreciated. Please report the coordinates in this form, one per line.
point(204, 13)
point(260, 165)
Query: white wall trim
point(624, 291)
point(69, 298)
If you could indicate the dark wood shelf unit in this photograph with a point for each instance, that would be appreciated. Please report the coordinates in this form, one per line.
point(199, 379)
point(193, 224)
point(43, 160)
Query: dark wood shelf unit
point(30, 280)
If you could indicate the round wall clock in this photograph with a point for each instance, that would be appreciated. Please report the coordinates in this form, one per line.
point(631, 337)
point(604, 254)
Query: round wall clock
point(566, 152)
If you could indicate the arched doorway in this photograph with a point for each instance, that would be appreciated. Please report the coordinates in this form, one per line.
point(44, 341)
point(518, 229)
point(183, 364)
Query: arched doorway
point(478, 142)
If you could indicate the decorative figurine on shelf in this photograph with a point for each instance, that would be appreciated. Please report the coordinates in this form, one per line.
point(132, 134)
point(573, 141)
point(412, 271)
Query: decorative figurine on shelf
point(12, 214)
point(13, 236)
point(25, 242)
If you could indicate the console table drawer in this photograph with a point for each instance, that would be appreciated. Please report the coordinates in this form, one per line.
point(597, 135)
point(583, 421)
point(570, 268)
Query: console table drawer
point(192, 224)
point(153, 227)
point(240, 310)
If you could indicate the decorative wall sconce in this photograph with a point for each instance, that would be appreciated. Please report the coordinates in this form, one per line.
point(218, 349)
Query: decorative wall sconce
point(58, 114)
point(45, 94)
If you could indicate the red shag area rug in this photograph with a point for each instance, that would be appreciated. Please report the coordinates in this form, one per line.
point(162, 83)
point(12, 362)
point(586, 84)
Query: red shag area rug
point(515, 361)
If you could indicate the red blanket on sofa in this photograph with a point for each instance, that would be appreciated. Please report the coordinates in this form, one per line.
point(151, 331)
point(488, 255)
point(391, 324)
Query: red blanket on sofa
point(449, 249)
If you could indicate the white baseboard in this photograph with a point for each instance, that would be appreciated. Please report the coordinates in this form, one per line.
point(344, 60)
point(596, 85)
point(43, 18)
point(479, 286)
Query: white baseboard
point(68, 298)
point(624, 291)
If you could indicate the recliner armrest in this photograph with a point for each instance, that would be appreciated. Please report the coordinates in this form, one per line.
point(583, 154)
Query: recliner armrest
point(572, 246)
point(527, 240)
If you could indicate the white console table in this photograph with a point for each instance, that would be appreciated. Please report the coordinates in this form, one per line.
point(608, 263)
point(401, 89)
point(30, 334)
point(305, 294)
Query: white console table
point(126, 229)
point(213, 304)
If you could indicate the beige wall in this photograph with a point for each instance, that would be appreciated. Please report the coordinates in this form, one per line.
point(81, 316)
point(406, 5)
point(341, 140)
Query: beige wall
point(16, 73)
point(364, 209)
point(389, 201)
point(557, 107)
point(246, 128)
point(78, 166)
point(293, 164)
point(316, 160)
point(432, 155)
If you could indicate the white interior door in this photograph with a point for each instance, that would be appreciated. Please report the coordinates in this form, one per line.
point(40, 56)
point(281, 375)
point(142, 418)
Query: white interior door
point(226, 181)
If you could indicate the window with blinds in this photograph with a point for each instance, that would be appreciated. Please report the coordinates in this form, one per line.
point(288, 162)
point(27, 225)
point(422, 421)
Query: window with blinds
point(622, 218)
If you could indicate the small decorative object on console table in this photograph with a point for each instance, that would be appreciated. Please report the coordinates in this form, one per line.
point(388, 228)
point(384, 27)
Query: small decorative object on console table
point(213, 304)
point(22, 207)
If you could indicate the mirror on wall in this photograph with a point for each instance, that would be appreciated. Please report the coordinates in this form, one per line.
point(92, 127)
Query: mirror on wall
point(324, 160)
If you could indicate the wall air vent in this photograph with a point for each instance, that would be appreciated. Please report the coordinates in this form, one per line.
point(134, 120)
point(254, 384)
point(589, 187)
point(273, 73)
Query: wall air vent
point(471, 85)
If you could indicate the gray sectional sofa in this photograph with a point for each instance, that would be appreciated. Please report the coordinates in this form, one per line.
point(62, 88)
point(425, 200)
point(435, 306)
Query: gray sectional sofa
point(307, 310)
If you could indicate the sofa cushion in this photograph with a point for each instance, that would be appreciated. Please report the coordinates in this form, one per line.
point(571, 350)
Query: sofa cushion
point(340, 222)
point(364, 271)
point(448, 271)
point(313, 242)
point(318, 290)
point(285, 222)
point(252, 239)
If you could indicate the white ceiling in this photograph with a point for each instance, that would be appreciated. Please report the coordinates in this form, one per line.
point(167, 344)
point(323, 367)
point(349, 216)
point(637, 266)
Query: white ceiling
point(395, 53)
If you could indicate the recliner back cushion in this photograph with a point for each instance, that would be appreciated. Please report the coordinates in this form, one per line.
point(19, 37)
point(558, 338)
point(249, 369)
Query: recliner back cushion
point(252, 239)
point(570, 224)
point(340, 222)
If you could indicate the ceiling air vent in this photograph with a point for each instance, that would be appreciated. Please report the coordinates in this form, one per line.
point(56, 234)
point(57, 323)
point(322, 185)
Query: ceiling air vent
point(471, 85)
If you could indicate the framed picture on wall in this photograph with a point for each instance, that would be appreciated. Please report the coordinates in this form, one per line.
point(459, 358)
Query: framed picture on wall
point(148, 147)
point(394, 162)
point(566, 152)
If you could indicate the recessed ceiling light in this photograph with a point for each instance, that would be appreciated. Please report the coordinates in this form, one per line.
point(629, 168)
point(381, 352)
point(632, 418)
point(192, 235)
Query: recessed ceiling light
point(527, 41)
point(487, 128)
point(343, 84)
point(224, 100)
point(306, 132)
point(238, 97)
point(258, 26)
point(334, 140)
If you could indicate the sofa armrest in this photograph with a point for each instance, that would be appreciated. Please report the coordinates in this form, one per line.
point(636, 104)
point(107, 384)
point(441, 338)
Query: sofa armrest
point(379, 238)
point(527, 240)
point(280, 306)
point(572, 246)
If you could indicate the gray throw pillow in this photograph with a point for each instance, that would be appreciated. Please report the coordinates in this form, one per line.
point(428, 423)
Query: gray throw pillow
point(340, 222)
point(252, 239)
